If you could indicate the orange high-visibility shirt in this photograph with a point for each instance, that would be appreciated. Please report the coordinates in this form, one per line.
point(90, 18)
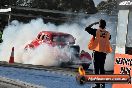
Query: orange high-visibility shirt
point(101, 42)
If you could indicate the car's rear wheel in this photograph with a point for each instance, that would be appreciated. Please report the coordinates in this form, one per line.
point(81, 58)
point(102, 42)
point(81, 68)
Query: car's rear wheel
point(80, 79)
point(75, 50)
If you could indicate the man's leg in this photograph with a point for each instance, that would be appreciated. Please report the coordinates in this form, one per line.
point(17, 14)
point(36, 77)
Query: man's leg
point(96, 66)
point(102, 70)
point(96, 62)
point(102, 63)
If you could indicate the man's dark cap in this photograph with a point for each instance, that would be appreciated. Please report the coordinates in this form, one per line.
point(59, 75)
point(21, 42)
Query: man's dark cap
point(102, 22)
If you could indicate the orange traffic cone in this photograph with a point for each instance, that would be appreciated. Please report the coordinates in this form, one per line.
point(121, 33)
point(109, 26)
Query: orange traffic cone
point(12, 56)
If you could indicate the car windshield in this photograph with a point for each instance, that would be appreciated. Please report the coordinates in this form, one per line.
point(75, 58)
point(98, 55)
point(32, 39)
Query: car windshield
point(63, 38)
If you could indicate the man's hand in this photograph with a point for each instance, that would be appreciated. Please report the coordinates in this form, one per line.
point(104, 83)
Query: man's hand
point(96, 23)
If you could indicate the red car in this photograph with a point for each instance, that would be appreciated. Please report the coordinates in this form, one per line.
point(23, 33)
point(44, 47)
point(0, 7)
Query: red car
point(58, 39)
point(53, 39)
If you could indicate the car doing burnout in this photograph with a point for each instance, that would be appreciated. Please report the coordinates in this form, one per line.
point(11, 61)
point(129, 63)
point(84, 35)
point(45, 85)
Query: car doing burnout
point(57, 39)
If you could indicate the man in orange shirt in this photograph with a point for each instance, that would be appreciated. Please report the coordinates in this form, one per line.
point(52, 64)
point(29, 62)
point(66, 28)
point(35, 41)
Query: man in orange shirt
point(101, 47)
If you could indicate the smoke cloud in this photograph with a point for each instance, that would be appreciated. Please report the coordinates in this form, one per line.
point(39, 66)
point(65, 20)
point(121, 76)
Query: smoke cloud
point(18, 35)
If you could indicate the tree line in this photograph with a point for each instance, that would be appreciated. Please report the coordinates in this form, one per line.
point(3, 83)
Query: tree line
point(63, 5)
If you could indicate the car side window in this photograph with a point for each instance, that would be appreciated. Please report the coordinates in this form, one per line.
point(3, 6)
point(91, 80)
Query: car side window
point(39, 36)
point(45, 37)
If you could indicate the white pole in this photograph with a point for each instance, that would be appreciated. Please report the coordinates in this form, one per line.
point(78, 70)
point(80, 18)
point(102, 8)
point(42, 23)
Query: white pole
point(122, 31)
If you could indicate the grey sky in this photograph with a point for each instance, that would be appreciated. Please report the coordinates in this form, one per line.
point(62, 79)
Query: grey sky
point(98, 1)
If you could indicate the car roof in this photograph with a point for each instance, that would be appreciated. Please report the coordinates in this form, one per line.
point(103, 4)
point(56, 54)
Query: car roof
point(53, 33)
